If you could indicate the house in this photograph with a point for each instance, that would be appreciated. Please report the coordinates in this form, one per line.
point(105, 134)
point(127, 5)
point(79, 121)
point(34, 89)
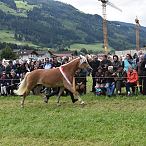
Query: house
point(35, 55)
point(60, 54)
point(132, 52)
point(32, 54)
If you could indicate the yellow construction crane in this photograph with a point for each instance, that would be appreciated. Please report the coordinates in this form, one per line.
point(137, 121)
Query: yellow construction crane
point(137, 33)
point(105, 36)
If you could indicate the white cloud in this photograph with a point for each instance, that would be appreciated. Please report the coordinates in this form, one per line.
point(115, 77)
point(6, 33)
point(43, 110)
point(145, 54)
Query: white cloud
point(130, 9)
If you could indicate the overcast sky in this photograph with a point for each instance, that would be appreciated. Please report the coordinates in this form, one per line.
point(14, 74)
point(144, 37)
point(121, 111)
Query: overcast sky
point(130, 9)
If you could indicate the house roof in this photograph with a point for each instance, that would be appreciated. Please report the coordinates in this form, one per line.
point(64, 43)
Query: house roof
point(32, 52)
point(61, 54)
point(41, 53)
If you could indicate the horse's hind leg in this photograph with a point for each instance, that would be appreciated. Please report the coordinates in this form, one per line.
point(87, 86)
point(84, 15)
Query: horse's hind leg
point(22, 101)
point(29, 88)
point(23, 98)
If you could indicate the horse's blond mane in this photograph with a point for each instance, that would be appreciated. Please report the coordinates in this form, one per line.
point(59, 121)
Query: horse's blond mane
point(72, 60)
point(82, 59)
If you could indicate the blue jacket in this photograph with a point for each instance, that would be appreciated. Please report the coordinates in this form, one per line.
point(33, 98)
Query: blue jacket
point(127, 64)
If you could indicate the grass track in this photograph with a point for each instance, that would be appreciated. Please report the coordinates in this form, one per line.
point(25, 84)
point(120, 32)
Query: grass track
point(103, 121)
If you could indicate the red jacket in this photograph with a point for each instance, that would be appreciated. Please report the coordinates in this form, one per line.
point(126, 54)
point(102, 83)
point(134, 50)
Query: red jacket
point(132, 77)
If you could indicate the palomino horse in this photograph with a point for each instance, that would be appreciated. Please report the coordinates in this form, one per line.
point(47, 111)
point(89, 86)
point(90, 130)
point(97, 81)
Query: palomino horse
point(57, 77)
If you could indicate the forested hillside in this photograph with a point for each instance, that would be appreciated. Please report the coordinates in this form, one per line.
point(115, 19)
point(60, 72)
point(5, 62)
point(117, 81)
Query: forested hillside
point(54, 24)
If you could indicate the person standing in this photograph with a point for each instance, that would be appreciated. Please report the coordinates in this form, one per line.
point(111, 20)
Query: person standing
point(14, 81)
point(116, 63)
point(128, 62)
point(2, 67)
point(143, 72)
point(105, 63)
point(95, 63)
point(48, 63)
point(140, 74)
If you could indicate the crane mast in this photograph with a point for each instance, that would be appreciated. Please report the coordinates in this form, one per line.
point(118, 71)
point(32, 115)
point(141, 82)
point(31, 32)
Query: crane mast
point(105, 33)
point(105, 28)
point(137, 34)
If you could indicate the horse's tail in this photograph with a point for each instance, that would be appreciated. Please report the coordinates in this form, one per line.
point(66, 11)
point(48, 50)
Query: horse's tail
point(22, 87)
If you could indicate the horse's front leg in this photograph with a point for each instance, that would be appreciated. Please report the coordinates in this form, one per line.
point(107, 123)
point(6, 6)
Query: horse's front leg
point(75, 93)
point(59, 95)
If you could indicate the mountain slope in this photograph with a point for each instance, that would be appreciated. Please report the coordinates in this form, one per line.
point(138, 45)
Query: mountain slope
point(54, 24)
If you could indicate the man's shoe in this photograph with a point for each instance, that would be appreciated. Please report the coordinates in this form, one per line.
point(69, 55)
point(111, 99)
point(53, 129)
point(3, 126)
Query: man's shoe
point(129, 93)
point(119, 93)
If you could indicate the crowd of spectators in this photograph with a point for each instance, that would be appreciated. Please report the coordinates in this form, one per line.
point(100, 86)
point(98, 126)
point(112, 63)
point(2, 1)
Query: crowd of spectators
point(110, 74)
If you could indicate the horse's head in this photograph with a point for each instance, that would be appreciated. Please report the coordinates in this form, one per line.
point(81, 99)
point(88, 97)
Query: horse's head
point(84, 63)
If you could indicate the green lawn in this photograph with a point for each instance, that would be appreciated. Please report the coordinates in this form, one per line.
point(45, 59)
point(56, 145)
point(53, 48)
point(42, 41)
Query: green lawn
point(11, 11)
point(96, 47)
point(103, 121)
point(8, 36)
point(24, 5)
point(93, 47)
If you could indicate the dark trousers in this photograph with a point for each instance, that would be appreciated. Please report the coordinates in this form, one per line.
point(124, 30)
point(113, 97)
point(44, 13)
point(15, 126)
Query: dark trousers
point(11, 89)
point(94, 82)
point(118, 86)
point(141, 84)
point(110, 87)
point(144, 85)
point(132, 85)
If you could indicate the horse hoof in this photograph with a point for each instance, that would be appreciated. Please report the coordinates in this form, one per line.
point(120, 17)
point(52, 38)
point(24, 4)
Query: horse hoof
point(22, 106)
point(82, 103)
point(45, 99)
point(75, 100)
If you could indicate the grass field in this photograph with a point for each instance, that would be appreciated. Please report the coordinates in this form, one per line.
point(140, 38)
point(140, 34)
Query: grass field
point(103, 121)
point(11, 11)
point(8, 36)
point(93, 47)
point(24, 5)
point(96, 47)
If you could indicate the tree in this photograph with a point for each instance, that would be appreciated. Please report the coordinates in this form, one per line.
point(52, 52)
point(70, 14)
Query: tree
point(75, 53)
point(7, 53)
point(83, 50)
